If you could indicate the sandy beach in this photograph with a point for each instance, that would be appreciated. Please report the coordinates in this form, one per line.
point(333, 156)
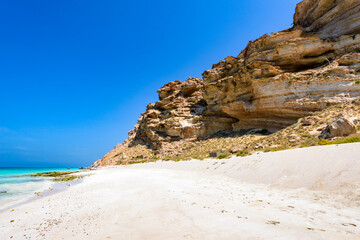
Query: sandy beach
point(309, 193)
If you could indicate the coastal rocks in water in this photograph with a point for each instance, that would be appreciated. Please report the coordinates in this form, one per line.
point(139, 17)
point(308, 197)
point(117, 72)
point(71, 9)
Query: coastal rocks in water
point(341, 126)
point(59, 176)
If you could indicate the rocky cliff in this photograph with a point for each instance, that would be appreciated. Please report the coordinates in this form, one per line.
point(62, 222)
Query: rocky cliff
point(179, 114)
point(273, 82)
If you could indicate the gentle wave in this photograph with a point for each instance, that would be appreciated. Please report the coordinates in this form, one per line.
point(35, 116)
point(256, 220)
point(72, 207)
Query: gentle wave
point(15, 187)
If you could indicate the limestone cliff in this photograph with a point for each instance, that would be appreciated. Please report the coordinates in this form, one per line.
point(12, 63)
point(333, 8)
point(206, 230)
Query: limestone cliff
point(328, 18)
point(274, 81)
point(179, 114)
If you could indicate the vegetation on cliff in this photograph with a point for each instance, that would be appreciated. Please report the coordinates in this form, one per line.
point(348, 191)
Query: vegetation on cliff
point(290, 84)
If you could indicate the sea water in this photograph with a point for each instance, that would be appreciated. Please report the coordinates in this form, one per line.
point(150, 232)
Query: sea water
point(16, 187)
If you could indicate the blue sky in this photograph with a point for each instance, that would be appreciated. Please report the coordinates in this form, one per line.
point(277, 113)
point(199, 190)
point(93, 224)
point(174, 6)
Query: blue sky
point(75, 75)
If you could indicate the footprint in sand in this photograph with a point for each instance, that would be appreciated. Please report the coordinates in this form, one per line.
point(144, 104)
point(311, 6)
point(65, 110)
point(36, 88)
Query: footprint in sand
point(273, 222)
point(349, 224)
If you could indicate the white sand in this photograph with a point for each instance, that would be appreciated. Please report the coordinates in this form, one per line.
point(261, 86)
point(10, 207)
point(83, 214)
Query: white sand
point(311, 193)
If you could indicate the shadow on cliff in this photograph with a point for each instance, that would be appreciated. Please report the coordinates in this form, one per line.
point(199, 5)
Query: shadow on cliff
point(240, 133)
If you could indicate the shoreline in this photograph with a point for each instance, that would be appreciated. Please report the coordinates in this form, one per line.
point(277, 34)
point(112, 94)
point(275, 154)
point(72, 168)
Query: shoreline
point(293, 194)
point(55, 188)
point(52, 188)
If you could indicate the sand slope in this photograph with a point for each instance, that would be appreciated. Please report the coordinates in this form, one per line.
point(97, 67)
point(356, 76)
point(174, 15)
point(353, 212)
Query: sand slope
point(310, 193)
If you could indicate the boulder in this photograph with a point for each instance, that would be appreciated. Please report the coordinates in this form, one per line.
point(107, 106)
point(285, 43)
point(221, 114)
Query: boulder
point(341, 126)
point(238, 148)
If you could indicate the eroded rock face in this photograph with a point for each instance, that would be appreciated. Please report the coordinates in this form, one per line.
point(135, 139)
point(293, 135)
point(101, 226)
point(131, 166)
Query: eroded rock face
point(281, 77)
point(179, 114)
point(329, 18)
point(273, 82)
point(244, 89)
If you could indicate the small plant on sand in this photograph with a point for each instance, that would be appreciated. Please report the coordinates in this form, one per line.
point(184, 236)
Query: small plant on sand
point(137, 162)
point(357, 82)
point(168, 158)
point(275, 149)
point(222, 156)
point(154, 158)
point(340, 141)
point(312, 141)
point(242, 153)
point(357, 70)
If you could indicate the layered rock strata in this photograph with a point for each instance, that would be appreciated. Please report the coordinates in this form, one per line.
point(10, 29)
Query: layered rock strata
point(328, 18)
point(282, 77)
point(179, 114)
point(274, 81)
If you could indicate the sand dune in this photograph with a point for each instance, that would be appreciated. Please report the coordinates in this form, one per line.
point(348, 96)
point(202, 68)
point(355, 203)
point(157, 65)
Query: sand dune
point(311, 193)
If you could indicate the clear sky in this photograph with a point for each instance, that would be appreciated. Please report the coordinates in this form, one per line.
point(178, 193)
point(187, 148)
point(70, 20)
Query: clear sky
point(76, 74)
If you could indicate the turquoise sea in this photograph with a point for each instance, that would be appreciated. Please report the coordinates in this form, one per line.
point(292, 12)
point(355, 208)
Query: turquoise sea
point(16, 188)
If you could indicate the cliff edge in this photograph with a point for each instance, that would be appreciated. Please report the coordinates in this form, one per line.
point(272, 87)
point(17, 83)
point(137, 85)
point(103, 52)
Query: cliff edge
point(276, 80)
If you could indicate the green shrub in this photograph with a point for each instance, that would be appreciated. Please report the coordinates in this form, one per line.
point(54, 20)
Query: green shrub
point(357, 82)
point(340, 141)
point(275, 149)
point(357, 70)
point(222, 156)
point(242, 153)
point(136, 162)
point(168, 158)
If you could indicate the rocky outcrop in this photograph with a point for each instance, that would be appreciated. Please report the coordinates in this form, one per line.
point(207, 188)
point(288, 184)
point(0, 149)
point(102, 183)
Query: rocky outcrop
point(179, 114)
point(341, 126)
point(272, 88)
point(328, 18)
point(281, 77)
point(273, 82)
